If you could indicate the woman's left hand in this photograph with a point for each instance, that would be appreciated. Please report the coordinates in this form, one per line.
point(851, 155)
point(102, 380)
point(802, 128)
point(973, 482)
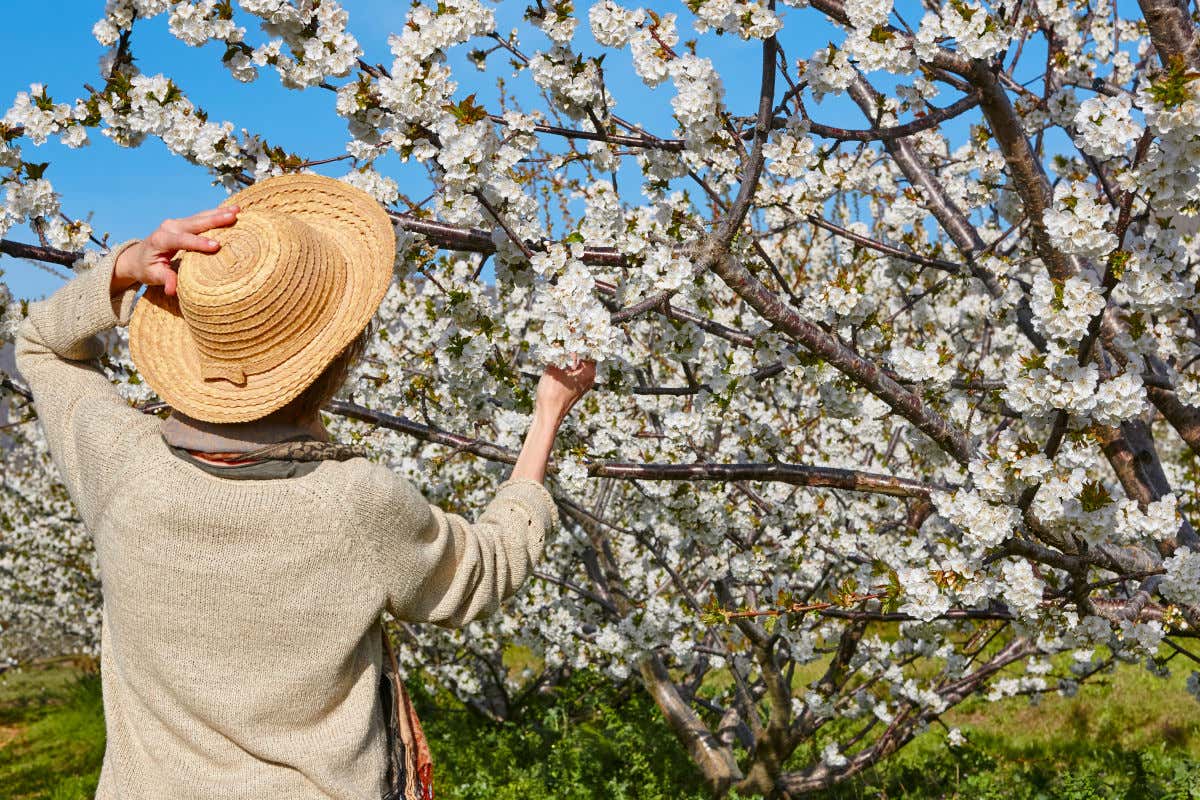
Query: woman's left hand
point(150, 261)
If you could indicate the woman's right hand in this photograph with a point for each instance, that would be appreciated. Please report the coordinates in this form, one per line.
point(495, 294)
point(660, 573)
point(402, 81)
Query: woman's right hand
point(559, 389)
point(151, 261)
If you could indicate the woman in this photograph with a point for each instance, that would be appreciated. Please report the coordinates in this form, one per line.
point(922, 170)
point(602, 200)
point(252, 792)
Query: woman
point(245, 561)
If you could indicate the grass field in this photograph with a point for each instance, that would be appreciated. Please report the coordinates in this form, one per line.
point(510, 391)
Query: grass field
point(1135, 737)
point(51, 734)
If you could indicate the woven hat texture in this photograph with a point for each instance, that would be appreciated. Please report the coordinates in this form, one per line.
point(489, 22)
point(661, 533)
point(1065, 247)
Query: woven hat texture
point(298, 276)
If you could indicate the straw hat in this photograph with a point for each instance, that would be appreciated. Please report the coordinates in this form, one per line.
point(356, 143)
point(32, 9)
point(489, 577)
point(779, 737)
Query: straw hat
point(298, 276)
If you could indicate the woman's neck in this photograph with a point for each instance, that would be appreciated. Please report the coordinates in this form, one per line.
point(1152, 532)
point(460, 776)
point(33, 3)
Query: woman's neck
point(312, 424)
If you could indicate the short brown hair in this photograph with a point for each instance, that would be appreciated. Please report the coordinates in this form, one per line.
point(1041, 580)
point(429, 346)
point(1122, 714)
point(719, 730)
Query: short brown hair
point(329, 382)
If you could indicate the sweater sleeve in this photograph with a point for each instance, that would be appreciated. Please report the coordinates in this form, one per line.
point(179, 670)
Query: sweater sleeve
point(81, 412)
point(438, 567)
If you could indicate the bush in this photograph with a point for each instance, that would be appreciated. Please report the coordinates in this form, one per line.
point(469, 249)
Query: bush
point(585, 739)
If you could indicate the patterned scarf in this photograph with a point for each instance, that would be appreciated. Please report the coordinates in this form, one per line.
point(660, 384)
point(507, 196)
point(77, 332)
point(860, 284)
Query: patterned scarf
point(254, 442)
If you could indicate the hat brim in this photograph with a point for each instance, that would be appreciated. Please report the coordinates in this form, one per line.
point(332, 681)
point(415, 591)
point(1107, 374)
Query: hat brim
point(160, 342)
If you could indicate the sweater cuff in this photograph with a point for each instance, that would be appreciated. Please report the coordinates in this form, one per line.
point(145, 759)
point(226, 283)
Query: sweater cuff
point(67, 322)
point(535, 498)
point(95, 301)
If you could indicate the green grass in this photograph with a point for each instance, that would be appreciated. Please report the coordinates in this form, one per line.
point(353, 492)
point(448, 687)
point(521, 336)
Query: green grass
point(1131, 735)
point(1135, 737)
point(52, 723)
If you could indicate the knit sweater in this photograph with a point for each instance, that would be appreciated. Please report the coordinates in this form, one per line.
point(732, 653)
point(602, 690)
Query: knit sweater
point(240, 653)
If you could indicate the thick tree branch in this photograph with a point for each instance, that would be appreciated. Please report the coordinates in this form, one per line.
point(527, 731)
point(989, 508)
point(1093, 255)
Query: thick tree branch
point(1171, 30)
point(1024, 168)
point(50, 255)
point(795, 474)
point(714, 759)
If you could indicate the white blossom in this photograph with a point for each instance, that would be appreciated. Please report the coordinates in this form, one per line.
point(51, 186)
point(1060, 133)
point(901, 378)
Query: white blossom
point(1106, 125)
point(612, 25)
point(832, 756)
point(1182, 582)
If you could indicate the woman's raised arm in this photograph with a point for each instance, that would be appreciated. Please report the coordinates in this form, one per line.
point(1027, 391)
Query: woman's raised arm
point(438, 567)
point(557, 392)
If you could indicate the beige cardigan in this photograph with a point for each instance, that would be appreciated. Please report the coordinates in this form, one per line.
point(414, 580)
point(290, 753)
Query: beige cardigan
point(240, 651)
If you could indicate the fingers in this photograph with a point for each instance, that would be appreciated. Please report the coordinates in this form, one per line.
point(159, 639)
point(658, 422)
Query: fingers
point(578, 362)
point(174, 240)
point(579, 375)
point(207, 220)
point(580, 366)
point(162, 275)
point(174, 235)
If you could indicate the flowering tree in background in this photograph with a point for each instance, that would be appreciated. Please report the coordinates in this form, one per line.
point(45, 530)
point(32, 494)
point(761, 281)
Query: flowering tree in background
point(888, 414)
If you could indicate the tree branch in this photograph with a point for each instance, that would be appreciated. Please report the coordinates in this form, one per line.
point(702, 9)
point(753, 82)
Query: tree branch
point(51, 255)
point(795, 474)
point(927, 122)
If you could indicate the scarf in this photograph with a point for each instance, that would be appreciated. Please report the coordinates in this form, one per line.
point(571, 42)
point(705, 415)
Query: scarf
point(253, 450)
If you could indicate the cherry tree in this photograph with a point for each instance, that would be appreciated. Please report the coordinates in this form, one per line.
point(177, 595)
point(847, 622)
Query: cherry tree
point(890, 412)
